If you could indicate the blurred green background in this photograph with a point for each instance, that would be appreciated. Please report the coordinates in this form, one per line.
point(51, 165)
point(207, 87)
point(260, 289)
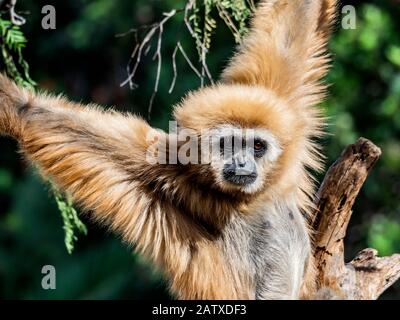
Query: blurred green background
point(84, 59)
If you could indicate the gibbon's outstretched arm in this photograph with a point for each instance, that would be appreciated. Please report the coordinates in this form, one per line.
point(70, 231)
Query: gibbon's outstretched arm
point(88, 151)
point(100, 158)
point(285, 50)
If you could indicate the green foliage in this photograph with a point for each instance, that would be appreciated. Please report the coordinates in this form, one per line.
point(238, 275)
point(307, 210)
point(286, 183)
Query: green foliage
point(72, 223)
point(12, 42)
point(235, 14)
point(238, 10)
point(384, 235)
point(209, 23)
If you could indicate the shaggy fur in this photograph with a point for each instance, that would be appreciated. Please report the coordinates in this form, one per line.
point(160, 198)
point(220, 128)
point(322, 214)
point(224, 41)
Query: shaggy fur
point(213, 242)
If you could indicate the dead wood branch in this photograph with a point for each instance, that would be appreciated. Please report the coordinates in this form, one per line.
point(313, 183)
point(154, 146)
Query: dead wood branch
point(367, 276)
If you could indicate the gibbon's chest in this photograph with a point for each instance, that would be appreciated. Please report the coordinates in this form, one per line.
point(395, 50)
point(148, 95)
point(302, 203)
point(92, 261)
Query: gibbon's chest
point(273, 244)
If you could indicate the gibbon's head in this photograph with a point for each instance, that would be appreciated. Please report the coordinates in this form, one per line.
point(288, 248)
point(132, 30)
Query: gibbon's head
point(257, 139)
point(271, 86)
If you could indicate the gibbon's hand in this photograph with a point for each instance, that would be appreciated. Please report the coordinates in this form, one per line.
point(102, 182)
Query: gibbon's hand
point(12, 101)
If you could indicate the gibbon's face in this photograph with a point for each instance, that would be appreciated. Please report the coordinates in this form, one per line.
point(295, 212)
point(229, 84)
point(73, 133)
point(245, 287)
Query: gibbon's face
point(240, 158)
point(252, 132)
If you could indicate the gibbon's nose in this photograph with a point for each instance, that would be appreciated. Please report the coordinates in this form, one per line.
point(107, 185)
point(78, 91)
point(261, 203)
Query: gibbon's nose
point(240, 173)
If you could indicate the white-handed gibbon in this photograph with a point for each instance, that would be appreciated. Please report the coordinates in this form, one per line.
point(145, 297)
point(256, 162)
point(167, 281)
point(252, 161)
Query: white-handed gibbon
point(215, 233)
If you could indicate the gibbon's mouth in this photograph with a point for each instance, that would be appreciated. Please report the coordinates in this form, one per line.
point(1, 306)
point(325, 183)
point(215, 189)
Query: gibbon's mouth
point(240, 174)
point(240, 180)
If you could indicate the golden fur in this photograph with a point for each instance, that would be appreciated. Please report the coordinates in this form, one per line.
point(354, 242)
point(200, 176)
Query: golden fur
point(176, 215)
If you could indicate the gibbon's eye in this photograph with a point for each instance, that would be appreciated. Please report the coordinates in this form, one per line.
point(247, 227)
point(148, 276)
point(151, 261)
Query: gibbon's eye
point(260, 148)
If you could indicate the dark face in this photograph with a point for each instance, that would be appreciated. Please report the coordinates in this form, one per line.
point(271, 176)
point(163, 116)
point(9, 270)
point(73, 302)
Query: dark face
point(240, 157)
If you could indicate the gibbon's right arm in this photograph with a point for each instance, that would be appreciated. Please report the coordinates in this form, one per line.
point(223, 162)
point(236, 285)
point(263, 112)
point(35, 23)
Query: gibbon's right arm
point(100, 158)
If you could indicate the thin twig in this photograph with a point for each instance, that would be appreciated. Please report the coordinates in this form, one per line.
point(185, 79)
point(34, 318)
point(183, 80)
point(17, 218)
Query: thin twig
point(188, 61)
point(138, 54)
point(142, 49)
point(180, 48)
point(136, 30)
point(158, 56)
point(15, 18)
point(228, 21)
point(171, 88)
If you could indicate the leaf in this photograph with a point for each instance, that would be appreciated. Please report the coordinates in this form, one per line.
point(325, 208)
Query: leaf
point(70, 218)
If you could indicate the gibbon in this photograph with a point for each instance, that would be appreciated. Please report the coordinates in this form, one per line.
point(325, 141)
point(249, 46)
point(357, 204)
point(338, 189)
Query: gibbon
point(215, 233)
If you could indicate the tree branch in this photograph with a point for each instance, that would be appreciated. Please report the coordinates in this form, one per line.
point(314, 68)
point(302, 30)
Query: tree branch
point(367, 276)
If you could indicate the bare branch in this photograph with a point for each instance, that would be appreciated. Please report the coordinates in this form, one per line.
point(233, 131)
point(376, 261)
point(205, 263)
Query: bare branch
point(15, 18)
point(228, 21)
point(189, 62)
point(367, 276)
point(191, 65)
point(373, 274)
point(158, 56)
point(171, 88)
point(338, 193)
point(138, 54)
point(143, 47)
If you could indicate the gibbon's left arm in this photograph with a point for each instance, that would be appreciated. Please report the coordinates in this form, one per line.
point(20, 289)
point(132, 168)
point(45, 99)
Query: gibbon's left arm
point(100, 158)
point(285, 50)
